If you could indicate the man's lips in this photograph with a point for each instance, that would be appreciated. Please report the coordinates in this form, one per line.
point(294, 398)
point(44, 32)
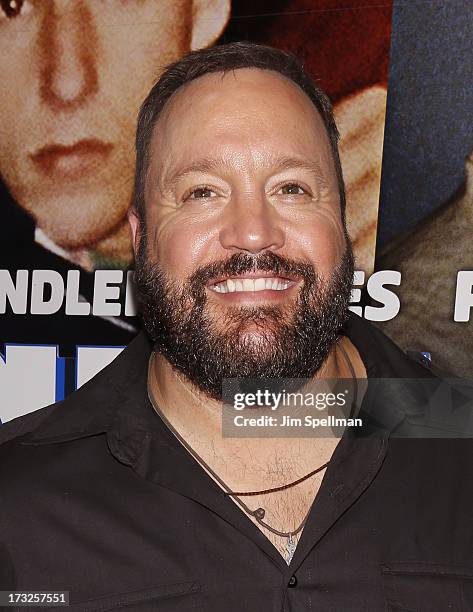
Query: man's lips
point(69, 161)
point(254, 275)
point(254, 287)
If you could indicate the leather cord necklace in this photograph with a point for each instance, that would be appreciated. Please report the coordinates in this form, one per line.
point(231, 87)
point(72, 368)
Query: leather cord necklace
point(259, 513)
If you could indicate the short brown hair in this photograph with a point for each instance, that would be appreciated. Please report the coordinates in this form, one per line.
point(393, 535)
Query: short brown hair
point(224, 58)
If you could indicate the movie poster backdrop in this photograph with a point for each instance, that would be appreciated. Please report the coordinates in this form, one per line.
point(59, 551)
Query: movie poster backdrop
point(73, 77)
point(426, 210)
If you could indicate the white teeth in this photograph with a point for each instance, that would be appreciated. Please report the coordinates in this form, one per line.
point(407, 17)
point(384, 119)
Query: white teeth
point(251, 284)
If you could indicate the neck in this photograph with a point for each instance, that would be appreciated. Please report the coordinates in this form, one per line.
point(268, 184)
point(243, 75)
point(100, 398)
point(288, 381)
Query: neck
point(79, 257)
point(244, 462)
point(115, 247)
point(112, 251)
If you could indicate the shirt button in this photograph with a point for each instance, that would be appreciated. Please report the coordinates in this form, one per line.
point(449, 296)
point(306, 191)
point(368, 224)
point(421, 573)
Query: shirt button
point(292, 582)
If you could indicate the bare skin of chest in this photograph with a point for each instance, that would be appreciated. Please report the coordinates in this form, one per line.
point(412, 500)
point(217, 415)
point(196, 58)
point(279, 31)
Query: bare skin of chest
point(285, 511)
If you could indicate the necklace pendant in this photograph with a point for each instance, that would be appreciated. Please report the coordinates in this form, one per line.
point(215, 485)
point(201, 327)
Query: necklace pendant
point(290, 548)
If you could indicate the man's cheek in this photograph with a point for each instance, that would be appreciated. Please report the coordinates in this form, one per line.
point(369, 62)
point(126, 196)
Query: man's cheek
point(178, 251)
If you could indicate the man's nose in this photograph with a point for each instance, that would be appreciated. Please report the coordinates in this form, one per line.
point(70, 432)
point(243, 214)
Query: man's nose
point(68, 50)
point(251, 224)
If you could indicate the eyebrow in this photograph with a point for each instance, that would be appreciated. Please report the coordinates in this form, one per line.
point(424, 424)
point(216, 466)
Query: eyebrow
point(278, 164)
point(205, 164)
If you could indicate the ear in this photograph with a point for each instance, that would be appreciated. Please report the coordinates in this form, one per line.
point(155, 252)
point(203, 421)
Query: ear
point(208, 21)
point(135, 226)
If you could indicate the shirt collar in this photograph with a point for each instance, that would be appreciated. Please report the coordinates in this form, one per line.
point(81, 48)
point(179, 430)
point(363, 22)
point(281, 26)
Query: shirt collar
point(99, 405)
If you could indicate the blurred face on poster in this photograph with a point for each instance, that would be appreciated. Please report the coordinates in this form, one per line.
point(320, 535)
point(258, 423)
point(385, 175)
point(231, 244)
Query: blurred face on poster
point(73, 74)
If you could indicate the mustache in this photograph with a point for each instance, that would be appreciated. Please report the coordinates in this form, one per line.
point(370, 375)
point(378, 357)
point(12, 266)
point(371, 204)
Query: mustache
point(241, 263)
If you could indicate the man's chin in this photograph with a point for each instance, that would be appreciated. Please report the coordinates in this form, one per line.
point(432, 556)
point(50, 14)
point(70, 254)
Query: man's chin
point(257, 345)
point(250, 320)
point(248, 337)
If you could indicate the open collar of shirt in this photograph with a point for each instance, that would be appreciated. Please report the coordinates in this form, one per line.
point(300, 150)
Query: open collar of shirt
point(116, 403)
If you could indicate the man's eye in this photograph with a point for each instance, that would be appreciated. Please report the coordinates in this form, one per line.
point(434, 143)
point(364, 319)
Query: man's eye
point(291, 189)
point(14, 8)
point(200, 193)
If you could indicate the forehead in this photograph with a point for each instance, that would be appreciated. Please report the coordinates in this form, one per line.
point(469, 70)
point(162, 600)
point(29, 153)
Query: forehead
point(248, 110)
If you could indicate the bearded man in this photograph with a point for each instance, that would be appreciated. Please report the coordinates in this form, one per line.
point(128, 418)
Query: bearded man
point(128, 494)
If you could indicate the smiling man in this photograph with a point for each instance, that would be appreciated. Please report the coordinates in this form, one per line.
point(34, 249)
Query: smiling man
point(129, 493)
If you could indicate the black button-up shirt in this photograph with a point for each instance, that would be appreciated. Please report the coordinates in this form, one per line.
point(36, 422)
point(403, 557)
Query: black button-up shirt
point(97, 497)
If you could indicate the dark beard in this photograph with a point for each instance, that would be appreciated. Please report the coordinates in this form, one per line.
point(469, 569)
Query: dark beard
point(289, 343)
